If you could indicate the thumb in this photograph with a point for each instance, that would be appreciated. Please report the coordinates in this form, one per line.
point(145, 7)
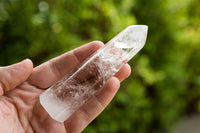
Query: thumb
point(14, 75)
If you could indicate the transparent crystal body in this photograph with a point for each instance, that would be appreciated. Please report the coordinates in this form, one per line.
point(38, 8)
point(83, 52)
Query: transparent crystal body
point(63, 98)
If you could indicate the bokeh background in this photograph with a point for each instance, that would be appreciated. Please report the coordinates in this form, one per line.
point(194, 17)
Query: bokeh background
point(164, 86)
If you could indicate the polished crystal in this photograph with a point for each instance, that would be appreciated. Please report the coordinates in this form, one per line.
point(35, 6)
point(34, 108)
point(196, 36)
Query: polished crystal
point(63, 98)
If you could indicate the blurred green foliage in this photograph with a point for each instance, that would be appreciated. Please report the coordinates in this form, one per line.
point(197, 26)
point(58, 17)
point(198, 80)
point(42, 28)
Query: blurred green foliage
point(165, 80)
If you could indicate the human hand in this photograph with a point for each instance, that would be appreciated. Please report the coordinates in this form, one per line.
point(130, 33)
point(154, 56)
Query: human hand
point(21, 85)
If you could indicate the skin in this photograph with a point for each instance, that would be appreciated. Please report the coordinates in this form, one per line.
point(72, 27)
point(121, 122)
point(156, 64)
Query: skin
point(21, 85)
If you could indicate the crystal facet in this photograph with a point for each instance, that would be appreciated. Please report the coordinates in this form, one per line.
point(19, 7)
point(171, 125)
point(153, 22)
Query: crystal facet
point(63, 98)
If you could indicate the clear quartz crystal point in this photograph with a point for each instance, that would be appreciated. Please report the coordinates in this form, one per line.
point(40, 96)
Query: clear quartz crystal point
point(63, 98)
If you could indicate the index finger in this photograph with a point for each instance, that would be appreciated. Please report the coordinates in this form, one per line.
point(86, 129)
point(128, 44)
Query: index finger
point(51, 71)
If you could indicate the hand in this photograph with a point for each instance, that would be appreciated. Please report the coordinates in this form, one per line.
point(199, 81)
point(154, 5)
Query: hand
point(21, 85)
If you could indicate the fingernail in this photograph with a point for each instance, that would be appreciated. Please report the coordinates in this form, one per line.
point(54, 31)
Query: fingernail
point(25, 60)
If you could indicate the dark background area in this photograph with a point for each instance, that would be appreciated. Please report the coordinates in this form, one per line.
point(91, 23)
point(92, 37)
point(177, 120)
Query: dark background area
point(165, 82)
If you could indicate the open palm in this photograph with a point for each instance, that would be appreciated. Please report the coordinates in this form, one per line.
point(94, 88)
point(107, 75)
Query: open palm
point(21, 85)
